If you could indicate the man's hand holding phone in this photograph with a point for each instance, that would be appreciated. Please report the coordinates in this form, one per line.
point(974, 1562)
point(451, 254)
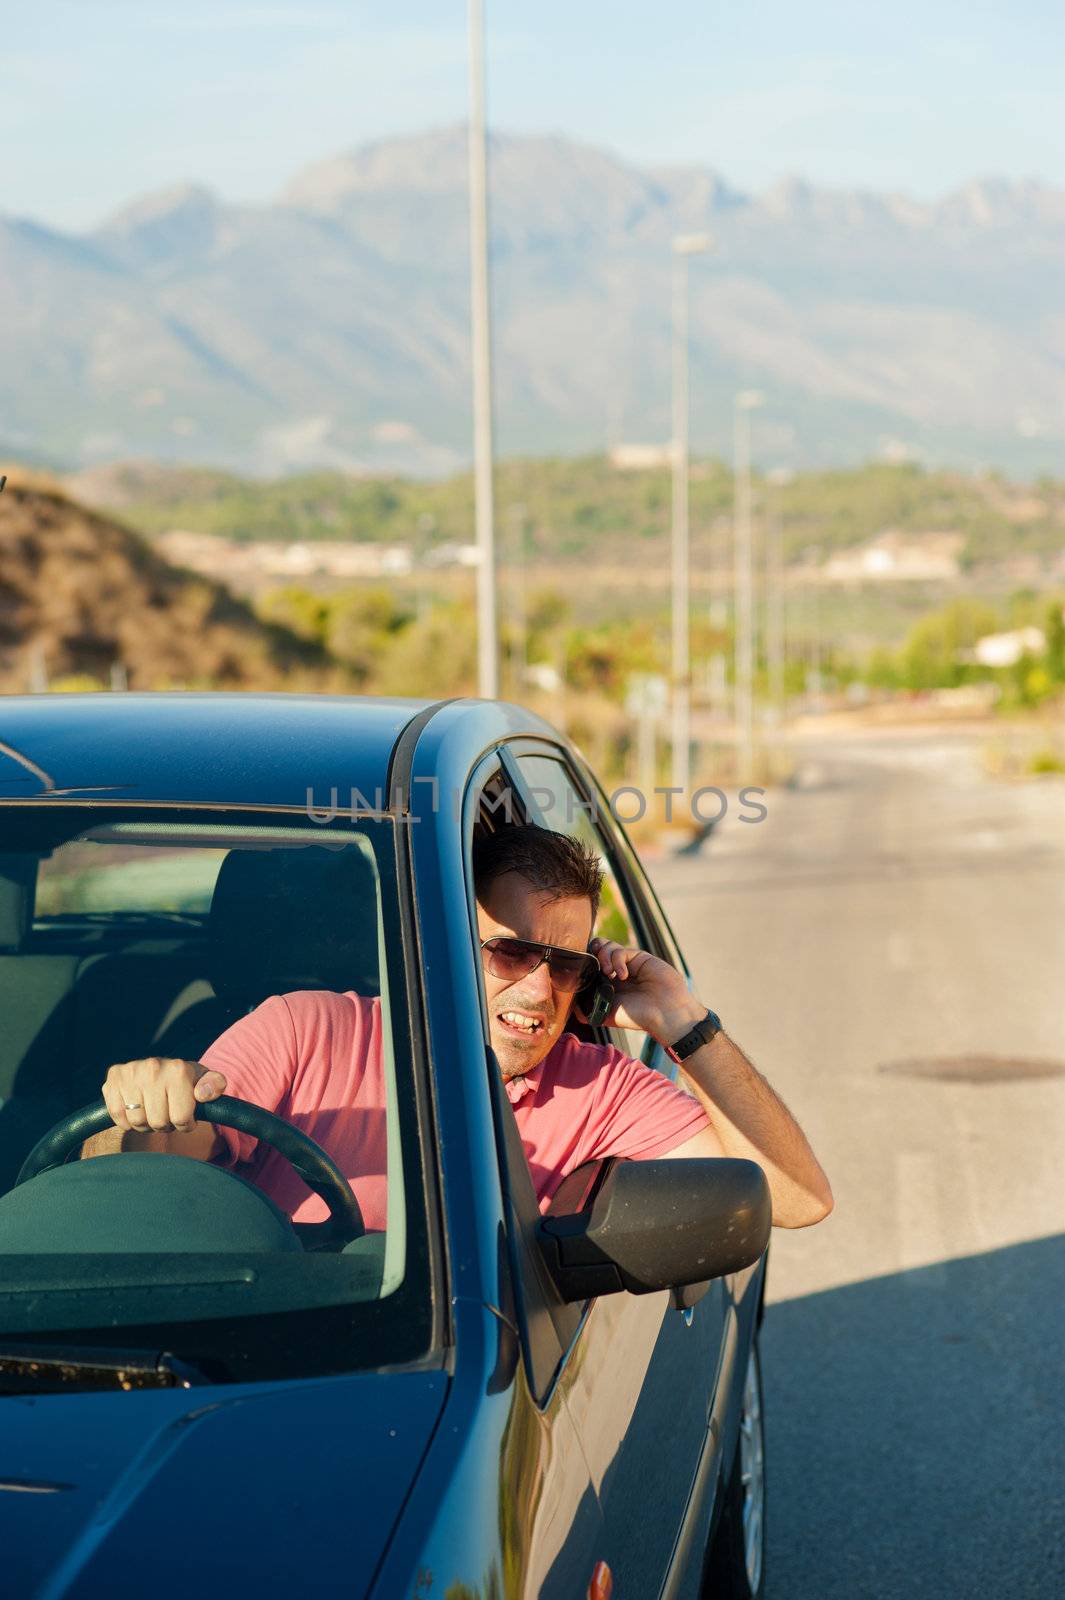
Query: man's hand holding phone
point(649, 994)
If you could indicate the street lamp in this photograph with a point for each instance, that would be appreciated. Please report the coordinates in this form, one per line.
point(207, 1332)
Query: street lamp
point(518, 515)
point(684, 246)
point(775, 611)
point(746, 401)
point(487, 642)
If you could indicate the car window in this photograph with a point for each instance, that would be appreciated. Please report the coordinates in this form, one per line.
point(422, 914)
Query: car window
point(78, 878)
point(275, 950)
point(558, 804)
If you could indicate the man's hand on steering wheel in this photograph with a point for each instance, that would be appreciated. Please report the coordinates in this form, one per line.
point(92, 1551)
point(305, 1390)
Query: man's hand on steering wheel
point(166, 1088)
point(159, 1093)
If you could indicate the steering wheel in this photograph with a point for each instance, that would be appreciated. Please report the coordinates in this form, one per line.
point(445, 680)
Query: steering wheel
point(317, 1169)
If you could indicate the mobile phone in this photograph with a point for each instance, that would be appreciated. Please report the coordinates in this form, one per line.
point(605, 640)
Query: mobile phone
point(595, 998)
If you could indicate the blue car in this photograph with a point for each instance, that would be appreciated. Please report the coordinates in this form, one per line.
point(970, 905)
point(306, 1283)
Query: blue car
point(447, 1395)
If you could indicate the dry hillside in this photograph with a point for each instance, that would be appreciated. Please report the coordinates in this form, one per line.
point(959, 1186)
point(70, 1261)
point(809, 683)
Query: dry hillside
point(79, 593)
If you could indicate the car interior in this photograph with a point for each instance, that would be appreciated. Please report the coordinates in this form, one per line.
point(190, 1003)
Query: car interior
point(81, 990)
point(153, 1243)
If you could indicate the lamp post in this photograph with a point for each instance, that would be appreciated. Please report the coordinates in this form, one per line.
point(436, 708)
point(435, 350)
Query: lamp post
point(747, 400)
point(487, 640)
point(685, 245)
point(776, 618)
point(518, 515)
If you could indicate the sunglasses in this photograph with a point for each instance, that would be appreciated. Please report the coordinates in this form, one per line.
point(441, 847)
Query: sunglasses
point(511, 959)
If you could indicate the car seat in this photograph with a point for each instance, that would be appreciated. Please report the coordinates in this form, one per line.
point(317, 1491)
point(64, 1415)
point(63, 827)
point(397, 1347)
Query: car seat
point(280, 919)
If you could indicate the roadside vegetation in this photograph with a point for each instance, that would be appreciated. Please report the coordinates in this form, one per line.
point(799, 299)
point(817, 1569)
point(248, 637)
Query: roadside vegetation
point(85, 601)
point(573, 509)
point(390, 647)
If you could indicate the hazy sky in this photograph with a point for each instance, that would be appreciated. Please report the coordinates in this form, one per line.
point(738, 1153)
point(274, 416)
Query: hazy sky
point(105, 99)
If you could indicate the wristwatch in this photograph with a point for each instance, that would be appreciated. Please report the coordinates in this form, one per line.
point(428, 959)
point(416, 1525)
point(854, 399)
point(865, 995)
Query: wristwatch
point(701, 1034)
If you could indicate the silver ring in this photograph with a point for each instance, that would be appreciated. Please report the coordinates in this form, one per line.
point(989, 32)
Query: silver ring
point(133, 1105)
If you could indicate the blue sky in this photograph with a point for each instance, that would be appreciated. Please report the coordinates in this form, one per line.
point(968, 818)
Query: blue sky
point(103, 100)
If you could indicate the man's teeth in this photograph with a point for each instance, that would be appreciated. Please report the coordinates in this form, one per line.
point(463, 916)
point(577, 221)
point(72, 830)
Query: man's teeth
point(516, 1020)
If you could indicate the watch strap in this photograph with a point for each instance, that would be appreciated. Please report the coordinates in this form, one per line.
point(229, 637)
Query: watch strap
point(704, 1030)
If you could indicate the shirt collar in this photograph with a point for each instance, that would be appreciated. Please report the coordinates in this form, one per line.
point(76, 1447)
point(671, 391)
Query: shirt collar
point(517, 1088)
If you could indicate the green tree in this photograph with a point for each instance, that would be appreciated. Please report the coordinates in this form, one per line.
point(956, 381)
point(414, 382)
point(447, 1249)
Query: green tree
point(433, 656)
point(1028, 681)
point(931, 653)
point(292, 607)
point(1054, 633)
point(882, 671)
point(361, 625)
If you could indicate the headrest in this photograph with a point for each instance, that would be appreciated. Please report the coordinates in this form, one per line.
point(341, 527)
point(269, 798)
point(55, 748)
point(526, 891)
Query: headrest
point(18, 886)
point(302, 918)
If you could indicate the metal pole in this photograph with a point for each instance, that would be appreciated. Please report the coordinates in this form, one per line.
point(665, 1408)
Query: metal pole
point(487, 641)
point(38, 670)
point(684, 245)
point(776, 599)
point(745, 403)
point(742, 641)
point(517, 589)
point(645, 749)
point(815, 596)
point(775, 619)
point(681, 721)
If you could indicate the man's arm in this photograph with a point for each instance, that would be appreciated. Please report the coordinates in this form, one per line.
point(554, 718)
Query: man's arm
point(203, 1144)
point(747, 1118)
point(153, 1101)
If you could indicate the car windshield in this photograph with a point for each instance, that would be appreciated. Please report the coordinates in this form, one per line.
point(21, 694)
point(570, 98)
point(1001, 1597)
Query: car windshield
point(271, 945)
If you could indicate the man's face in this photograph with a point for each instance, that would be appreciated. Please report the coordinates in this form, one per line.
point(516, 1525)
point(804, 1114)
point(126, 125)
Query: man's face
point(526, 1017)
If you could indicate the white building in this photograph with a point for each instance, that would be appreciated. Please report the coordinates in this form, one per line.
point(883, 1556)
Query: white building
point(641, 457)
point(248, 562)
point(452, 555)
point(894, 555)
point(1004, 649)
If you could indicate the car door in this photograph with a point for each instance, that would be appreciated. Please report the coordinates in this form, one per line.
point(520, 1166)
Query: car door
point(639, 1379)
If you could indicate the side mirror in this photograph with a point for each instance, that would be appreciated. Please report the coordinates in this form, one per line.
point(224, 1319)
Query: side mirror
point(651, 1225)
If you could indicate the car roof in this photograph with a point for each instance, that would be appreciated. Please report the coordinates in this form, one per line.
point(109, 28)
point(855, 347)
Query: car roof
point(220, 748)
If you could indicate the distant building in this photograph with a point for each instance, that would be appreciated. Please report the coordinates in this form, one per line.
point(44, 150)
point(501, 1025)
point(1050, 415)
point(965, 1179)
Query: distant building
point(247, 564)
point(1004, 649)
point(967, 696)
point(452, 555)
point(894, 556)
point(541, 675)
point(326, 559)
point(641, 457)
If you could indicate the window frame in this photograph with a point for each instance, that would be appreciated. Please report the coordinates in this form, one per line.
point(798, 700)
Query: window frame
point(649, 925)
point(549, 1328)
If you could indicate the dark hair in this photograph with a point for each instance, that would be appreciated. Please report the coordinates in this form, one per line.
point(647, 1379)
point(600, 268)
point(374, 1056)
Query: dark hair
point(554, 862)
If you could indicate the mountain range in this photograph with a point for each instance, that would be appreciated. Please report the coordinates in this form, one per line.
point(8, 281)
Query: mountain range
point(330, 326)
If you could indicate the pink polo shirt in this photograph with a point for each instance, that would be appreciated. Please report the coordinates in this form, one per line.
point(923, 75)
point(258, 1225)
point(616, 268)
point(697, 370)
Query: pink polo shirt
point(315, 1058)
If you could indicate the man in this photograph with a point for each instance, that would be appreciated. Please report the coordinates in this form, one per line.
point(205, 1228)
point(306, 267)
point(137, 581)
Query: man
point(316, 1058)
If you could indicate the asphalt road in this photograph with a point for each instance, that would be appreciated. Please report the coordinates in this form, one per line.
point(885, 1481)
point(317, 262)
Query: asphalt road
point(889, 947)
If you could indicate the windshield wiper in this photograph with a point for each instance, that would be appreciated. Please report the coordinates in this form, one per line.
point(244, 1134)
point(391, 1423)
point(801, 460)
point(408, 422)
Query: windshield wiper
point(46, 780)
point(45, 1369)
